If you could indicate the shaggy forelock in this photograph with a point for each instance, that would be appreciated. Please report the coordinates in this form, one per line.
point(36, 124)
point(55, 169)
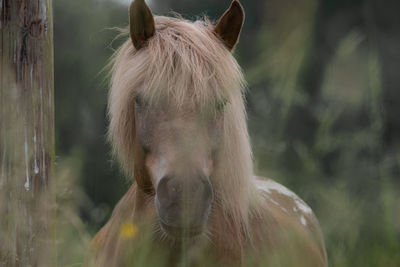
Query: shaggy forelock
point(184, 62)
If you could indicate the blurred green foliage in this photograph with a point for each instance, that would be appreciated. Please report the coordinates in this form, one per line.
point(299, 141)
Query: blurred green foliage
point(323, 101)
point(83, 41)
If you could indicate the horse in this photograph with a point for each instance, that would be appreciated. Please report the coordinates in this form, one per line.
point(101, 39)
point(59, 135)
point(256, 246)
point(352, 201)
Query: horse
point(178, 126)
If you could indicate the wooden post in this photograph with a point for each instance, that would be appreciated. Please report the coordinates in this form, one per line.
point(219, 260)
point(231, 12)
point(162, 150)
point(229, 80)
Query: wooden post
point(26, 133)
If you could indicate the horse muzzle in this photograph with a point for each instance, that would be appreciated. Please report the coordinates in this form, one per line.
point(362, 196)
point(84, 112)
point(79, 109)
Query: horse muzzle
point(183, 205)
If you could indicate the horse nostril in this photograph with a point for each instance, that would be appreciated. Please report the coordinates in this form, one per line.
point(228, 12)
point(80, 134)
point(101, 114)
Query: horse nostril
point(173, 190)
point(168, 190)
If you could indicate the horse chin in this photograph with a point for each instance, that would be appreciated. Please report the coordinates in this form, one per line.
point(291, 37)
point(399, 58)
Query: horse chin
point(181, 232)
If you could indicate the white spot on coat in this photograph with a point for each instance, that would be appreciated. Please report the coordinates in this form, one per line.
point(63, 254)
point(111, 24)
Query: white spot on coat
point(303, 220)
point(268, 186)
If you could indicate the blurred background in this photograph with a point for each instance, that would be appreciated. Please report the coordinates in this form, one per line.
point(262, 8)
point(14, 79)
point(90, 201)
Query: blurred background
point(323, 107)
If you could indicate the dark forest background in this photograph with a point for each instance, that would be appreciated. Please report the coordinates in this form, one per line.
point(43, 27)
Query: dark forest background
point(323, 106)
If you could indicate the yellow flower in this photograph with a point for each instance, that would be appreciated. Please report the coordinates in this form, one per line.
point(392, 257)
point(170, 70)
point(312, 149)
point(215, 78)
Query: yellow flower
point(128, 230)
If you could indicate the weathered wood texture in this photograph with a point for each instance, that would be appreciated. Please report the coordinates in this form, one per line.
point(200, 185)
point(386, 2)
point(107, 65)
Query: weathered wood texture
point(26, 133)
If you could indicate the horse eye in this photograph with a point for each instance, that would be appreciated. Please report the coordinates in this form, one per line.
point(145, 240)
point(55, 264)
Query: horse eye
point(139, 101)
point(221, 104)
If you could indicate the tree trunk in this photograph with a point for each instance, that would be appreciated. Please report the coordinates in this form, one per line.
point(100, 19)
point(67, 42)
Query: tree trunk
point(26, 133)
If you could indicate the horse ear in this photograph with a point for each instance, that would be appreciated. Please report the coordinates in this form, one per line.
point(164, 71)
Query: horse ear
point(141, 22)
point(230, 24)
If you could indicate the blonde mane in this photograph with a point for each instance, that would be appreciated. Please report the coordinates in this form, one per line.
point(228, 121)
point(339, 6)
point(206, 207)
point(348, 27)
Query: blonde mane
point(185, 62)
